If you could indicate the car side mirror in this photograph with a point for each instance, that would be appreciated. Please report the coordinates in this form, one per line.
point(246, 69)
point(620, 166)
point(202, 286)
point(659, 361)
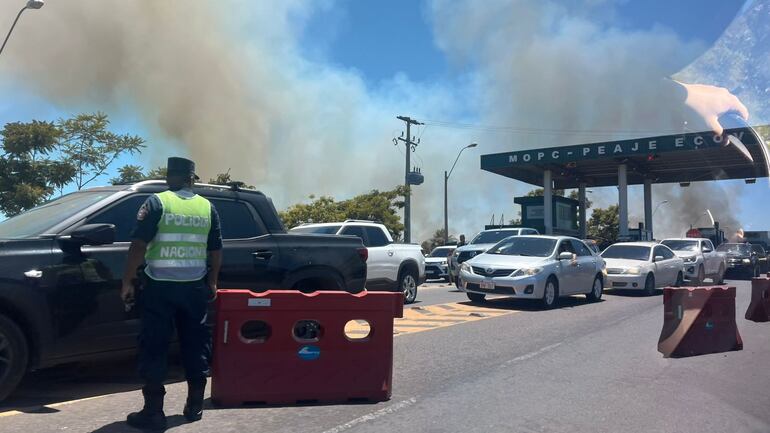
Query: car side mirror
point(93, 234)
point(659, 258)
point(565, 256)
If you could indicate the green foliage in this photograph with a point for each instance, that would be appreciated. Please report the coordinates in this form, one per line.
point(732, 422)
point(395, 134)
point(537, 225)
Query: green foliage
point(603, 226)
point(128, 174)
point(437, 240)
point(87, 144)
point(375, 205)
point(539, 192)
point(158, 173)
point(225, 179)
point(29, 174)
point(38, 158)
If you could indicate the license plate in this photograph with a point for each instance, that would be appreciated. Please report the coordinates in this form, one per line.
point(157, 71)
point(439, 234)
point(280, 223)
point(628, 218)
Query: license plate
point(487, 285)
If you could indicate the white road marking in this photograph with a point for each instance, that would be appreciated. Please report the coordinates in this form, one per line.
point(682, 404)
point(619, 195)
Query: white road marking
point(530, 355)
point(373, 416)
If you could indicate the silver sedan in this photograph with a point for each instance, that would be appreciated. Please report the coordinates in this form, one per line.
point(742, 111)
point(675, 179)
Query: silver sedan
point(534, 267)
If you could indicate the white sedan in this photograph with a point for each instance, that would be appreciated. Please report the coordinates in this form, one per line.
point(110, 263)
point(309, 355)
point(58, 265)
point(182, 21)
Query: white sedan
point(534, 267)
point(643, 266)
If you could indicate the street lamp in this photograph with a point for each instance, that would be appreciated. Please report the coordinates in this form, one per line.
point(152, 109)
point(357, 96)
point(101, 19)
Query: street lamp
point(446, 179)
point(31, 4)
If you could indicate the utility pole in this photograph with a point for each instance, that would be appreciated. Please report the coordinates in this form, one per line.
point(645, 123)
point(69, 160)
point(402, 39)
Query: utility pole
point(410, 146)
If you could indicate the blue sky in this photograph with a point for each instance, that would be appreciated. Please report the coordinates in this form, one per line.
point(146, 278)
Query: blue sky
point(396, 57)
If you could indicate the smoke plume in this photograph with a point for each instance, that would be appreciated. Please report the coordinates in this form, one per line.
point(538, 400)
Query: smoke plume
point(227, 83)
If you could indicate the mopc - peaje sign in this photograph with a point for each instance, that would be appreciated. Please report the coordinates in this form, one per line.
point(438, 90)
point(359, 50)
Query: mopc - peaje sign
point(610, 149)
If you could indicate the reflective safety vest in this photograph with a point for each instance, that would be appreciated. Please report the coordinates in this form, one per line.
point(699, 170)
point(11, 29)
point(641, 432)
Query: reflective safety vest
point(179, 250)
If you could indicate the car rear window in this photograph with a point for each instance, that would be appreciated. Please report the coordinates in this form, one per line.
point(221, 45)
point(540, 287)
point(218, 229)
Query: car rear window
point(316, 230)
point(628, 252)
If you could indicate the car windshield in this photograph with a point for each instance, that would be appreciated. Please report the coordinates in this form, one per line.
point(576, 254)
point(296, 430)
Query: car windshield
point(441, 252)
point(627, 252)
point(735, 248)
point(493, 236)
point(681, 245)
point(37, 221)
point(758, 249)
point(524, 246)
point(316, 230)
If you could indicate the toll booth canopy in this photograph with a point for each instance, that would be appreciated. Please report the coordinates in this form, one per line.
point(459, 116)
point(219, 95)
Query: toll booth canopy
point(681, 158)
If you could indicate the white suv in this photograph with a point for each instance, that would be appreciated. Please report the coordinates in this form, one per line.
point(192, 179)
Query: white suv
point(390, 266)
point(701, 260)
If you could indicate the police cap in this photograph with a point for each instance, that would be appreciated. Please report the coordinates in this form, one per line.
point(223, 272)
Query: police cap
point(182, 167)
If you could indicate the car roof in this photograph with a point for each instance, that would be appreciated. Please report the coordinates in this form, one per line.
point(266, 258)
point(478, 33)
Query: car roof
point(685, 239)
point(549, 237)
point(637, 244)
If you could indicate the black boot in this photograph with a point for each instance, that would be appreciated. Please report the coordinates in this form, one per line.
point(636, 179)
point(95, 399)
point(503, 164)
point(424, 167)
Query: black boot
point(193, 408)
point(151, 417)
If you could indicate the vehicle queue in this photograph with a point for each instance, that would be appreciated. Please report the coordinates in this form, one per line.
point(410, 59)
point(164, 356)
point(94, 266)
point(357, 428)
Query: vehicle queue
point(521, 263)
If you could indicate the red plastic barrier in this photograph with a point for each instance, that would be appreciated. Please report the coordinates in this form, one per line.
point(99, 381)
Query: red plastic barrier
point(287, 347)
point(759, 308)
point(698, 320)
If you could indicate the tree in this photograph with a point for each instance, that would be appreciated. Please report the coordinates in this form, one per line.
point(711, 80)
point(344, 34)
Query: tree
point(382, 206)
point(135, 173)
point(437, 240)
point(128, 174)
point(539, 192)
point(225, 179)
point(29, 174)
point(604, 226)
point(158, 173)
point(87, 144)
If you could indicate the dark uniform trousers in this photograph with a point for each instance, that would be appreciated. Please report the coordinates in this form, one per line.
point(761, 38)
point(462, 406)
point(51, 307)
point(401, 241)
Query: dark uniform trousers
point(165, 305)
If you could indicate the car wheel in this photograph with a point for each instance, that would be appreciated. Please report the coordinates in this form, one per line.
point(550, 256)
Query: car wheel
point(701, 276)
point(14, 355)
point(551, 293)
point(720, 278)
point(408, 286)
point(680, 280)
point(478, 298)
point(596, 290)
point(649, 285)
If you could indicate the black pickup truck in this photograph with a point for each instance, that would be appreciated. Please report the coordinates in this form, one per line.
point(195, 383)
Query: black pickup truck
point(61, 266)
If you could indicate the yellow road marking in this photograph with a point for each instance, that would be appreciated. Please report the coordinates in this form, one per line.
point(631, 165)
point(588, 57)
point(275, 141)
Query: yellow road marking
point(425, 318)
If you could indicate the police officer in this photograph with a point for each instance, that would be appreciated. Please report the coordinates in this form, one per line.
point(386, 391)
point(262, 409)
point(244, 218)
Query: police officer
point(176, 232)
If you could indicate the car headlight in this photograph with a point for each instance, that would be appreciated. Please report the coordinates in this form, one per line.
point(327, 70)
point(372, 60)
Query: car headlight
point(466, 267)
point(690, 259)
point(455, 254)
point(633, 271)
point(604, 271)
point(746, 261)
point(527, 272)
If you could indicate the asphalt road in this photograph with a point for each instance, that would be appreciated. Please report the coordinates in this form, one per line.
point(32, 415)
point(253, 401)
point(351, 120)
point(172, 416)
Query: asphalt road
point(580, 368)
